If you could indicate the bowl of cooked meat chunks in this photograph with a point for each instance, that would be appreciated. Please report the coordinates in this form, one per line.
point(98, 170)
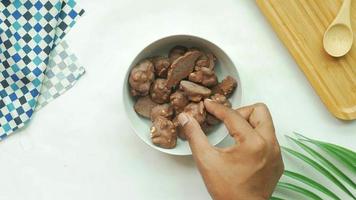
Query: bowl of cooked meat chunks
point(174, 75)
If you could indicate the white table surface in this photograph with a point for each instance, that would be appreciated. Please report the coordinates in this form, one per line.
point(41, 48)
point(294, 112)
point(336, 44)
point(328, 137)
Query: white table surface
point(81, 147)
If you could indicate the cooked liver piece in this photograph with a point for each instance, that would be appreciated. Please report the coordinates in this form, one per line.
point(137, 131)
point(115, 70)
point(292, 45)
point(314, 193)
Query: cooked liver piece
point(176, 52)
point(194, 91)
point(141, 78)
point(161, 65)
point(204, 76)
point(163, 133)
point(212, 60)
point(221, 99)
point(226, 87)
point(144, 105)
point(164, 110)
point(179, 100)
point(160, 92)
point(182, 67)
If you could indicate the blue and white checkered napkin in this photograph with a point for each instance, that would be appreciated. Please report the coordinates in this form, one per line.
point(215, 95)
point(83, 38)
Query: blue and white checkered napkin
point(35, 63)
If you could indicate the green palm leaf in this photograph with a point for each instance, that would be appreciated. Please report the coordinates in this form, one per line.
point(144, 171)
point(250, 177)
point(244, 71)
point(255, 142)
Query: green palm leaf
point(275, 198)
point(345, 156)
point(299, 190)
point(319, 168)
point(343, 150)
point(348, 162)
point(325, 162)
point(311, 183)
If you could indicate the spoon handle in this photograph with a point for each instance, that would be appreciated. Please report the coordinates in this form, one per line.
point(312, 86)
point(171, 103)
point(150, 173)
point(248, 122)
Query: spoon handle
point(344, 13)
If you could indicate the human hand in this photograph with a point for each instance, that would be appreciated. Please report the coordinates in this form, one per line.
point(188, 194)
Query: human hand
point(251, 168)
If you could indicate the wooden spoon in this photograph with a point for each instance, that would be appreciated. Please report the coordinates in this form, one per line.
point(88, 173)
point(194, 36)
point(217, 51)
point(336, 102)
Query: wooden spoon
point(338, 38)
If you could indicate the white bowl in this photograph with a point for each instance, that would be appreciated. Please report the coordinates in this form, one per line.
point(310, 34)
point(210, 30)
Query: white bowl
point(223, 67)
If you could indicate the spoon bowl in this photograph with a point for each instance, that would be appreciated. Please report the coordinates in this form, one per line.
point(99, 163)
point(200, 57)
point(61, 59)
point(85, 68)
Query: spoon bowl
point(338, 40)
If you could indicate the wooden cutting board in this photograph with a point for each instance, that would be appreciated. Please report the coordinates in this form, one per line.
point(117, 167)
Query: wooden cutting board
point(301, 24)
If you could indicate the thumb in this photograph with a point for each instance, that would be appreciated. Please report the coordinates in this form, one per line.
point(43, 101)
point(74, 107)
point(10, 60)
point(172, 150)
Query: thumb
point(197, 139)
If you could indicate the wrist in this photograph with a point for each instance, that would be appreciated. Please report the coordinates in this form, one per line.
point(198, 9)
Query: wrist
point(251, 196)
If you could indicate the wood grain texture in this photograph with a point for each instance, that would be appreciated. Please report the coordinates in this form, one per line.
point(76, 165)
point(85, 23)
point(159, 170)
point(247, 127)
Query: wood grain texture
point(300, 24)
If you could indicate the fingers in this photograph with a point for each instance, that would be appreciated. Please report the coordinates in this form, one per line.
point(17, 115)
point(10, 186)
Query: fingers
point(197, 139)
point(260, 119)
point(246, 111)
point(255, 114)
point(238, 127)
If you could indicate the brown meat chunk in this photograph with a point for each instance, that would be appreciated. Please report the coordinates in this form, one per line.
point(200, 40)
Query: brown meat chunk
point(182, 67)
point(221, 99)
point(204, 76)
point(176, 52)
point(160, 92)
point(212, 61)
point(205, 61)
point(141, 77)
point(179, 100)
point(164, 110)
point(194, 91)
point(161, 65)
point(196, 110)
point(144, 105)
point(226, 87)
point(163, 133)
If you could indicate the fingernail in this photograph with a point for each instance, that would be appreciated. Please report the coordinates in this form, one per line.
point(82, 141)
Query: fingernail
point(183, 119)
point(208, 100)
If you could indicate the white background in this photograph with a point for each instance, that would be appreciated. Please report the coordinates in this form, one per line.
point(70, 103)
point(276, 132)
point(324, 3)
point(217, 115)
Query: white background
point(81, 147)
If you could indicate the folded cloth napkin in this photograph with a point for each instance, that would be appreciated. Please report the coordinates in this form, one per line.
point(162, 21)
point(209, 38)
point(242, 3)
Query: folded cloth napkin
point(63, 71)
point(32, 53)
